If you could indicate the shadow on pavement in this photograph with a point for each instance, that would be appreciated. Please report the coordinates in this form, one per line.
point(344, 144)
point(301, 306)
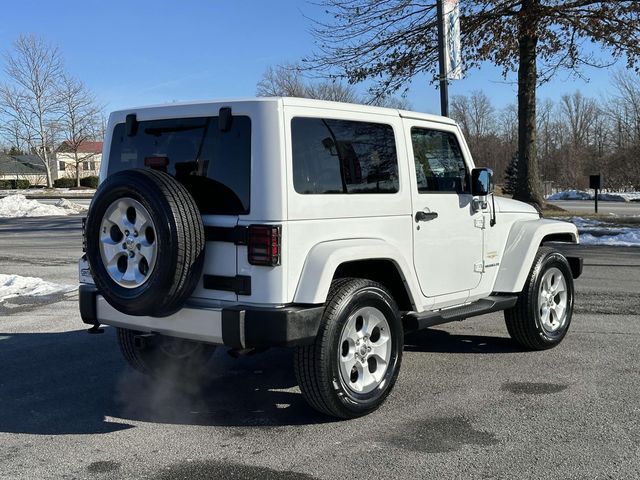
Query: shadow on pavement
point(74, 383)
point(59, 224)
point(441, 341)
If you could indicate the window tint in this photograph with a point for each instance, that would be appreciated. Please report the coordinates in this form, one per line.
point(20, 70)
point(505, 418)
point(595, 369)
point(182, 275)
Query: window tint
point(439, 163)
point(340, 156)
point(214, 166)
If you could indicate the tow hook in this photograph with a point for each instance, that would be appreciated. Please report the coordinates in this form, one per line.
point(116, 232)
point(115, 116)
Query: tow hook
point(95, 329)
point(241, 352)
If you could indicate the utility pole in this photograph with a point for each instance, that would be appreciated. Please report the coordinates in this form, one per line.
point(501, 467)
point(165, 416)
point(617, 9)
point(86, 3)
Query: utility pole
point(444, 84)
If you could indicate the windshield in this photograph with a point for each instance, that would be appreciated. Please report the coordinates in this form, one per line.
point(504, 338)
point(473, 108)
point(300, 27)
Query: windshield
point(214, 166)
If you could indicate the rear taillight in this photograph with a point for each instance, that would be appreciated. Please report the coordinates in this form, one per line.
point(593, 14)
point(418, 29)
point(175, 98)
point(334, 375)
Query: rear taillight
point(157, 163)
point(264, 243)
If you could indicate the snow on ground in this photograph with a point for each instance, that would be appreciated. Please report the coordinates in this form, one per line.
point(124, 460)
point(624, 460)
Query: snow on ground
point(19, 206)
point(12, 286)
point(628, 239)
point(50, 192)
point(570, 195)
point(603, 196)
point(596, 232)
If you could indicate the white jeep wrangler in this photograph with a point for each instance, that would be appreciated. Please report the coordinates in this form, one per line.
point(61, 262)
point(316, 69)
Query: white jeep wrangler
point(332, 228)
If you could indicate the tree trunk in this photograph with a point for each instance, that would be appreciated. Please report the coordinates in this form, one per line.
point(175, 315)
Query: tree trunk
point(528, 185)
point(75, 157)
point(47, 167)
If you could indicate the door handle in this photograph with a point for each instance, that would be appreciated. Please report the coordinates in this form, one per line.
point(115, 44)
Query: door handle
point(425, 216)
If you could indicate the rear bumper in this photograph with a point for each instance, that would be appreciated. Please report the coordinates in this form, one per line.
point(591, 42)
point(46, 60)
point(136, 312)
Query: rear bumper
point(240, 326)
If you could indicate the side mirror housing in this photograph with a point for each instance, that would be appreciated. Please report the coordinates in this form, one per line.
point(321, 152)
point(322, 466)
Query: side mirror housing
point(481, 182)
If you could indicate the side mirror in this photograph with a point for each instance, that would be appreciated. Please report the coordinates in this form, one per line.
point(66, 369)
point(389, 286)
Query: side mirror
point(481, 182)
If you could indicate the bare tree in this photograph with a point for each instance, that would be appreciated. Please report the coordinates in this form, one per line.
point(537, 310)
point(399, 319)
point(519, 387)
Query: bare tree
point(282, 81)
point(390, 41)
point(579, 113)
point(474, 113)
point(287, 80)
point(30, 102)
point(80, 120)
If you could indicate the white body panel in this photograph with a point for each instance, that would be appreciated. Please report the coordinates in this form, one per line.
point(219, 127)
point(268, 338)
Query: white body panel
point(324, 258)
point(453, 233)
point(449, 261)
point(524, 238)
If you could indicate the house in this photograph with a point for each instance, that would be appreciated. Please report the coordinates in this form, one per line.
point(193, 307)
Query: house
point(89, 158)
point(23, 167)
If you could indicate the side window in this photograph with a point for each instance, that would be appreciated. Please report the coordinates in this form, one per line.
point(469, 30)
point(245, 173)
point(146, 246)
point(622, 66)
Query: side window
point(439, 162)
point(341, 156)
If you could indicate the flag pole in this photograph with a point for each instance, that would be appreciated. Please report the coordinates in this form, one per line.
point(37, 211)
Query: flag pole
point(444, 85)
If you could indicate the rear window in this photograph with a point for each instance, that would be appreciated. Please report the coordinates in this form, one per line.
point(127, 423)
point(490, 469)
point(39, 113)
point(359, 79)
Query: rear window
point(214, 166)
point(342, 156)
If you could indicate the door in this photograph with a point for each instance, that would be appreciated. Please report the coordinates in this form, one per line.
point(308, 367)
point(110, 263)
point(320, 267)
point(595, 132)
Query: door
point(448, 231)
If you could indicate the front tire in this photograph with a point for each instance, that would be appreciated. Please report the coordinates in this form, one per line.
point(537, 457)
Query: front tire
point(541, 317)
point(353, 365)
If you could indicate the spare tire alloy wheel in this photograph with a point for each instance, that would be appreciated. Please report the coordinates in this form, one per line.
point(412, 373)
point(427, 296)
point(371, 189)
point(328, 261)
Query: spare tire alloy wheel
point(145, 242)
point(128, 246)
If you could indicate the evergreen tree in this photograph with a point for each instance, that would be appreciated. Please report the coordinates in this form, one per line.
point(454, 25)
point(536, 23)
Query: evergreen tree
point(511, 175)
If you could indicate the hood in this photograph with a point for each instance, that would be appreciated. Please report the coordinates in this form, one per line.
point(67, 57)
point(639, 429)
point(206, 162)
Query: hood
point(507, 205)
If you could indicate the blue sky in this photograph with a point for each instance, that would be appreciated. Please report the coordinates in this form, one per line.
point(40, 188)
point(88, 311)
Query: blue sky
point(140, 52)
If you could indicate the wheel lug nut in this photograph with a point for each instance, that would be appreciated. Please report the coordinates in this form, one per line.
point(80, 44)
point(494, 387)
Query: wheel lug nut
point(124, 245)
point(131, 254)
point(126, 232)
point(135, 233)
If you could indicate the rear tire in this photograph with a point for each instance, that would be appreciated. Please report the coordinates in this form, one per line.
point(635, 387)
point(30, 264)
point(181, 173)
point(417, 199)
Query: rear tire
point(541, 317)
point(166, 358)
point(354, 362)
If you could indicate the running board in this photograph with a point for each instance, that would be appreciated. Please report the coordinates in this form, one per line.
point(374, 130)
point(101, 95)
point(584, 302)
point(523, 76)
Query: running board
point(494, 303)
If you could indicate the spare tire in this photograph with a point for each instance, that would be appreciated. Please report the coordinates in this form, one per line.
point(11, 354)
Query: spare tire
point(145, 242)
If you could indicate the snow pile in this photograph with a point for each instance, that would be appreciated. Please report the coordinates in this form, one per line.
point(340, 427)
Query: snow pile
point(611, 197)
point(629, 196)
point(12, 286)
point(603, 196)
point(19, 206)
point(595, 232)
point(70, 207)
point(626, 239)
point(571, 195)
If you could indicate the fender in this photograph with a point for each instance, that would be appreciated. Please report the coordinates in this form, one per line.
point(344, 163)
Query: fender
point(324, 258)
point(522, 244)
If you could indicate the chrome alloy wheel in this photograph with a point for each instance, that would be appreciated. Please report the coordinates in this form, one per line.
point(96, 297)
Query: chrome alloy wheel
point(553, 300)
point(365, 350)
point(128, 245)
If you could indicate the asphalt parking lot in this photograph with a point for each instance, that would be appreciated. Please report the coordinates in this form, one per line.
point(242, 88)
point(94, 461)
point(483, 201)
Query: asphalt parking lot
point(468, 403)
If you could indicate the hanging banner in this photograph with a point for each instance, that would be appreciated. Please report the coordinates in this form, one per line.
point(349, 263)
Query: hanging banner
point(451, 10)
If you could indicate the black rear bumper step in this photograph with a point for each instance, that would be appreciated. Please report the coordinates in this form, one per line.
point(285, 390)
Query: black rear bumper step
point(494, 303)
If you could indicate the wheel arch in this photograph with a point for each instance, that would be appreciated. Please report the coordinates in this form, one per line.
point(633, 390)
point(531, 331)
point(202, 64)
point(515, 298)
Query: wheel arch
point(524, 239)
point(372, 259)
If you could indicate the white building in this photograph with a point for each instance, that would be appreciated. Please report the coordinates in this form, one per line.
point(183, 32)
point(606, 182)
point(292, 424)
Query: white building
point(89, 156)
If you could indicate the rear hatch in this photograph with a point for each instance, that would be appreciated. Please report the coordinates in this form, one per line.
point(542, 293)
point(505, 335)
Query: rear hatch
point(212, 158)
